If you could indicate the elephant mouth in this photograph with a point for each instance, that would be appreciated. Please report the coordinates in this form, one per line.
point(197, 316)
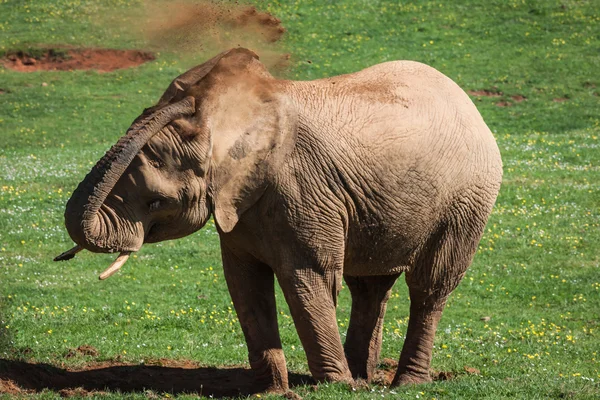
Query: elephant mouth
point(110, 218)
point(151, 235)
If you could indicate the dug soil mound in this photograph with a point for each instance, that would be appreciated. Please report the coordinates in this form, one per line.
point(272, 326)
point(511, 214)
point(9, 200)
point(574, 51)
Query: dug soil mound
point(103, 60)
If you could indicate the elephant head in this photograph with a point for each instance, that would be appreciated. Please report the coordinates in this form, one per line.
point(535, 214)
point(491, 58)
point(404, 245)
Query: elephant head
point(209, 146)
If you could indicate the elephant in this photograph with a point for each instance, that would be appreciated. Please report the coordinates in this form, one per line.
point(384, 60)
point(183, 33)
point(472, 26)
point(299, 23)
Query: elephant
point(359, 177)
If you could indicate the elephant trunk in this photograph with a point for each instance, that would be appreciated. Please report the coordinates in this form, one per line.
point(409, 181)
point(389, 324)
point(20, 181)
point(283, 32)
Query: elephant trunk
point(90, 223)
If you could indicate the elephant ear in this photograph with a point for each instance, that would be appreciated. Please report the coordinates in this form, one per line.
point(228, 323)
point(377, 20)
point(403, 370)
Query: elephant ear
point(183, 82)
point(253, 127)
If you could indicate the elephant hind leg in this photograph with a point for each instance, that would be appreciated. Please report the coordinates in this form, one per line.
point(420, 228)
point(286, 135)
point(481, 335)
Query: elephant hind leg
point(363, 340)
point(437, 271)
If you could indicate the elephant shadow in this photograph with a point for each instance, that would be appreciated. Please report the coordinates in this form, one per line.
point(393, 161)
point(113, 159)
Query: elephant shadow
point(20, 377)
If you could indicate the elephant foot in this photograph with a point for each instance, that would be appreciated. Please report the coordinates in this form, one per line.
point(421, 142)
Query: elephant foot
point(335, 377)
point(408, 378)
point(291, 395)
point(270, 372)
point(272, 386)
point(360, 371)
point(360, 384)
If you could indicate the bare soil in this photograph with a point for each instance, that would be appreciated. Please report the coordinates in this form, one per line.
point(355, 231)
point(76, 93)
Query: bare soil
point(472, 371)
point(84, 350)
point(103, 60)
point(517, 98)
point(484, 93)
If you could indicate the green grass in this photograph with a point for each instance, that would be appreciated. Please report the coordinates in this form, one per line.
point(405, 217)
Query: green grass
point(536, 275)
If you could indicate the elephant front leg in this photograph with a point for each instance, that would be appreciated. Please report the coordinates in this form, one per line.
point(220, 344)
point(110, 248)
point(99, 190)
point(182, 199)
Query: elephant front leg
point(363, 340)
point(311, 296)
point(251, 285)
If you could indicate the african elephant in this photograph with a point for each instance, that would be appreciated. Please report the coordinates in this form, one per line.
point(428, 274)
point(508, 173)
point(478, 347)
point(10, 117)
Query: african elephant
point(361, 176)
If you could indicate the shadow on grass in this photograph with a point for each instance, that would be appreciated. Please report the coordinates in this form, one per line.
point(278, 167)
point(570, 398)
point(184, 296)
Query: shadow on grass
point(205, 381)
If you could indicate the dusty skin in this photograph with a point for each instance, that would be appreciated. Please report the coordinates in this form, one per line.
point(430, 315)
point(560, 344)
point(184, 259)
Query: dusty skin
point(361, 177)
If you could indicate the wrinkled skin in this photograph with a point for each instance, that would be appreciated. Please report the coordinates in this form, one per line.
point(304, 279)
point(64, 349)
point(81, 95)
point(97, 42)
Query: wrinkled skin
point(360, 177)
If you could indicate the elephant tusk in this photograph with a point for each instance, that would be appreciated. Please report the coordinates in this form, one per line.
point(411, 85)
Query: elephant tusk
point(67, 255)
point(115, 266)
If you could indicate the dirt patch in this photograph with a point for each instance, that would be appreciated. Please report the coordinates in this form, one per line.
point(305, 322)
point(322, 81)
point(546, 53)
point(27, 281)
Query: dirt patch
point(103, 60)
point(442, 375)
point(157, 376)
point(472, 371)
point(84, 350)
point(78, 392)
point(484, 93)
point(384, 375)
point(517, 98)
point(9, 387)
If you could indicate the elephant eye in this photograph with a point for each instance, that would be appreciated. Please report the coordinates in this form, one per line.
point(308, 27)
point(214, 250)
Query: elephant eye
point(156, 163)
point(154, 205)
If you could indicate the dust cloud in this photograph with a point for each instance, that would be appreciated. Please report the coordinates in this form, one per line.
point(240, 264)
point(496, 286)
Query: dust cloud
point(196, 30)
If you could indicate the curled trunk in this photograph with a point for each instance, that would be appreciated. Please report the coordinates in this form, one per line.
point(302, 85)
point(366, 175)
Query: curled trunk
point(90, 223)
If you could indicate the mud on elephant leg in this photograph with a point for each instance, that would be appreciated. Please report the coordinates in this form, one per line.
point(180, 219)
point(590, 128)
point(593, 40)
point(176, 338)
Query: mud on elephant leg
point(363, 340)
point(311, 296)
point(251, 286)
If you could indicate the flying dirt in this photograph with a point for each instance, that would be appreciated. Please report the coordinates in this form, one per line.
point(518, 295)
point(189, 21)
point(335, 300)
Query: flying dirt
point(196, 30)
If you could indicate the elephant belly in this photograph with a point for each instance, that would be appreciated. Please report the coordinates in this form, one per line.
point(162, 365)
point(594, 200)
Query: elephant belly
point(378, 251)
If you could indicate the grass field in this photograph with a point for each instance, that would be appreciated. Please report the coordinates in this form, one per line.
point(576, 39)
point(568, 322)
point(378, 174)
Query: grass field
point(524, 323)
